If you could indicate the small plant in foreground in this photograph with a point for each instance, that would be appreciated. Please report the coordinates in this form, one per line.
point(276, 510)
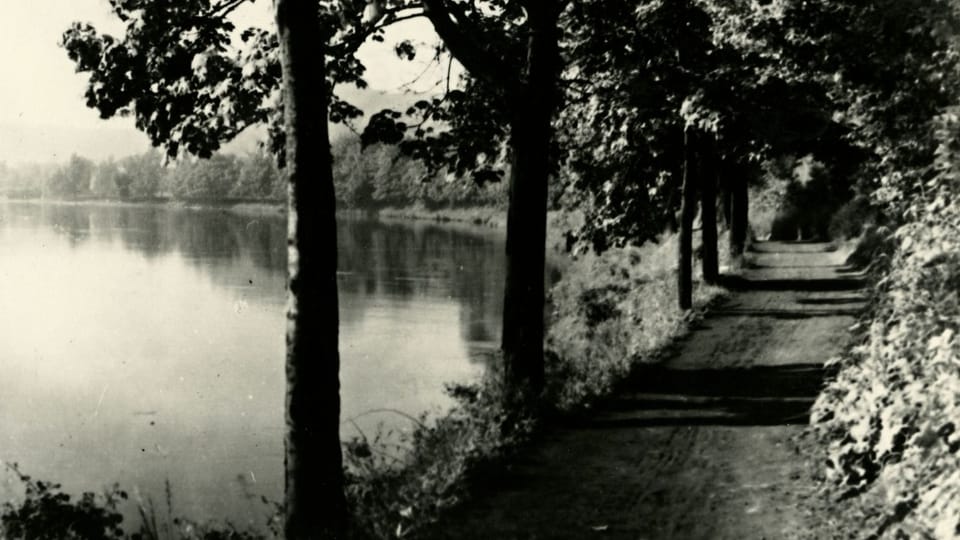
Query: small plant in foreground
point(47, 513)
point(398, 495)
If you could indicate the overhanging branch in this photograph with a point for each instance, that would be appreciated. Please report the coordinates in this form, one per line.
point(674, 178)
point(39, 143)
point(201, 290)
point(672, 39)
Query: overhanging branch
point(451, 27)
point(352, 41)
point(225, 7)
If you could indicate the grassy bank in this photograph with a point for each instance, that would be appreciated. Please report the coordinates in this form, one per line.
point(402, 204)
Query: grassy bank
point(488, 216)
point(612, 312)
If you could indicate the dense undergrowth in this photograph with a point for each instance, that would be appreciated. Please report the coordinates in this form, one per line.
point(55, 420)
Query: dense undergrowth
point(612, 312)
point(398, 494)
point(889, 418)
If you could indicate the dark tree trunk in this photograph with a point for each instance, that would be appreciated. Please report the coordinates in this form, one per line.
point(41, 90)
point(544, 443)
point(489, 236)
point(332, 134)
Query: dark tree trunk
point(726, 195)
point(688, 208)
point(314, 499)
point(673, 225)
point(739, 218)
point(530, 136)
point(708, 214)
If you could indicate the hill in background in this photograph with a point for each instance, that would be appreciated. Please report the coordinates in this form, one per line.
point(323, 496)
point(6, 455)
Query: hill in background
point(23, 143)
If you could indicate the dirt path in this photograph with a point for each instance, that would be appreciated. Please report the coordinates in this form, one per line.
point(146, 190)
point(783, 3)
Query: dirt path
point(702, 446)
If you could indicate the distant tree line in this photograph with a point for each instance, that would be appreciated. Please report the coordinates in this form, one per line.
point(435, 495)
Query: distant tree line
point(382, 176)
point(146, 176)
point(366, 178)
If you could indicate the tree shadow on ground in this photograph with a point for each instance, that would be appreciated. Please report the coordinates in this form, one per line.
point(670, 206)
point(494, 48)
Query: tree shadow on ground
point(834, 301)
point(748, 396)
point(786, 314)
point(741, 283)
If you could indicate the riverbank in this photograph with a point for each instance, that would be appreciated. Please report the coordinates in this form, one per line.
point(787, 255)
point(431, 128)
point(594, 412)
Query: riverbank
point(250, 208)
point(481, 216)
point(485, 216)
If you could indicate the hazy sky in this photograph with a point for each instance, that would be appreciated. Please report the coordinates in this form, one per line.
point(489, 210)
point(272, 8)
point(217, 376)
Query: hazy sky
point(42, 112)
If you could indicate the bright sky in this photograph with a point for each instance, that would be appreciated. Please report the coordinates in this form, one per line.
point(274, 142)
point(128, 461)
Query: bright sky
point(43, 116)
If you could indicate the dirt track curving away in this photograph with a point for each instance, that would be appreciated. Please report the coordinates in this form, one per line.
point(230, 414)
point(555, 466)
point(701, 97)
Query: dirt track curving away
point(703, 446)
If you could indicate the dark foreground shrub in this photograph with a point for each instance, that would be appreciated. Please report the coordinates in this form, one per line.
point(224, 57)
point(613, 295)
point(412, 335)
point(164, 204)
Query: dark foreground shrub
point(853, 219)
point(46, 512)
point(399, 494)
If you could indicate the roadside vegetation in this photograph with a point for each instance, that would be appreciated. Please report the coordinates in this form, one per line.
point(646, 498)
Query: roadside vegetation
point(889, 419)
point(612, 312)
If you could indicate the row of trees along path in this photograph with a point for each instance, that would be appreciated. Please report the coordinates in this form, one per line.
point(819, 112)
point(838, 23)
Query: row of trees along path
point(723, 85)
point(704, 445)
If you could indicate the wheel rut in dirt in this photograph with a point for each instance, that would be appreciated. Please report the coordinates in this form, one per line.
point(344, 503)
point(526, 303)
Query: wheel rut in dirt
point(703, 445)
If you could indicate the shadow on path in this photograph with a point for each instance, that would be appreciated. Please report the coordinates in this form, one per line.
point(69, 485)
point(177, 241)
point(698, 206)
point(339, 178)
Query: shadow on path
point(740, 283)
point(756, 395)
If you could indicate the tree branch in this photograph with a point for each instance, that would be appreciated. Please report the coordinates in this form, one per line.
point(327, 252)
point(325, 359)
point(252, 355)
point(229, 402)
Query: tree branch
point(449, 69)
point(226, 7)
point(352, 41)
point(474, 57)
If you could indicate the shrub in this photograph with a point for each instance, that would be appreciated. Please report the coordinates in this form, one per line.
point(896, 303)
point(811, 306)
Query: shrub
point(853, 219)
point(398, 494)
point(764, 202)
point(609, 313)
point(46, 512)
point(889, 418)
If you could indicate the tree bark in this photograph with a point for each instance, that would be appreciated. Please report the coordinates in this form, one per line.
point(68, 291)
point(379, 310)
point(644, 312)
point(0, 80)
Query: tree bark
point(315, 506)
point(688, 208)
point(739, 218)
point(726, 194)
point(708, 214)
point(530, 136)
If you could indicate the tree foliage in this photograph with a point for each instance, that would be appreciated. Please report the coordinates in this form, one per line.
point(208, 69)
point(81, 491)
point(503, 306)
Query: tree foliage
point(175, 71)
point(72, 180)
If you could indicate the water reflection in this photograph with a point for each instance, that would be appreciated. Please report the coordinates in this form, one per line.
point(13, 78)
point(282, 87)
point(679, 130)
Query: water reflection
point(142, 344)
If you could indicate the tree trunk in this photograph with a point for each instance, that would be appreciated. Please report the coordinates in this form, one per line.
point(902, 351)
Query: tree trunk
point(530, 136)
point(314, 500)
point(739, 218)
point(726, 194)
point(688, 207)
point(708, 214)
point(673, 224)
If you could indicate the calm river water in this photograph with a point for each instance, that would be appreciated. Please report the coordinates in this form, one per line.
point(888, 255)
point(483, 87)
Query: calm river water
point(142, 345)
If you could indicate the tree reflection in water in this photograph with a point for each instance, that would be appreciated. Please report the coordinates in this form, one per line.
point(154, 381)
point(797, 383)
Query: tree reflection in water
point(161, 329)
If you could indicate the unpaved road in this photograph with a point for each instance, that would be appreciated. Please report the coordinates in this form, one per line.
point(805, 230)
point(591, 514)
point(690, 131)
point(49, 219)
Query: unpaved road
point(704, 445)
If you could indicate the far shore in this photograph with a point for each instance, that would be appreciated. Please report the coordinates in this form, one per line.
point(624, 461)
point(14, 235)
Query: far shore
point(492, 217)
